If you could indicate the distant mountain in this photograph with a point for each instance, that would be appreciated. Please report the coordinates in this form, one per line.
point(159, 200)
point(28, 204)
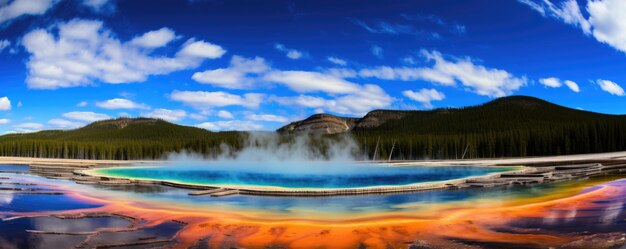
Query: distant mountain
point(504, 127)
point(120, 129)
point(122, 138)
point(499, 114)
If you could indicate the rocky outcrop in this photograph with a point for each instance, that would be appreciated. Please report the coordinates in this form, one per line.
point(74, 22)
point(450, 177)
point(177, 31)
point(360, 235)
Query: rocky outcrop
point(331, 124)
point(321, 123)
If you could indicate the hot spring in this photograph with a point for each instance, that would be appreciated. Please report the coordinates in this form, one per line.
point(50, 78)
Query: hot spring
point(304, 175)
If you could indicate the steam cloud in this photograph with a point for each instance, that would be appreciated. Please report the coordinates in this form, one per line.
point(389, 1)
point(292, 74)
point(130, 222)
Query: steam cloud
point(274, 153)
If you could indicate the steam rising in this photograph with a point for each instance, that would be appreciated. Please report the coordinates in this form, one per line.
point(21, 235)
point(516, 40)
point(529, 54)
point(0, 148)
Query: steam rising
point(275, 153)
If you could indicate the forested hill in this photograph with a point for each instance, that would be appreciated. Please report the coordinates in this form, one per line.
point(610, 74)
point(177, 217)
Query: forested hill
point(122, 138)
point(505, 127)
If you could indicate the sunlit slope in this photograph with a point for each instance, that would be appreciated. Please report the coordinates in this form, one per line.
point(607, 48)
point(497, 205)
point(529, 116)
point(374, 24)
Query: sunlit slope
point(123, 138)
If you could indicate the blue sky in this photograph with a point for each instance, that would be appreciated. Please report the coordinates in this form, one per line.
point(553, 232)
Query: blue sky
point(256, 65)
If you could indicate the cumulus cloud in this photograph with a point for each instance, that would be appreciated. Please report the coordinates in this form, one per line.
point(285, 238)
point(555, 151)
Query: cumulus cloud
point(237, 76)
point(84, 51)
point(341, 72)
point(225, 114)
point(64, 124)
point(551, 82)
point(232, 125)
point(5, 104)
point(119, 103)
point(572, 85)
point(86, 116)
point(556, 83)
point(290, 53)
point(605, 21)
point(338, 61)
point(168, 115)
point(425, 96)
point(357, 103)
point(4, 121)
point(82, 104)
point(13, 9)
point(344, 97)
point(154, 39)
point(475, 78)
point(610, 87)
point(206, 100)
point(267, 118)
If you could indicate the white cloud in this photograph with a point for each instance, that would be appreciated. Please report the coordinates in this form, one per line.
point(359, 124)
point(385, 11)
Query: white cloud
point(556, 83)
point(198, 117)
point(200, 49)
point(154, 39)
point(610, 87)
point(305, 81)
point(338, 61)
point(17, 8)
point(347, 97)
point(302, 100)
point(225, 114)
point(119, 103)
point(572, 85)
point(237, 76)
point(28, 127)
point(85, 116)
point(267, 118)
point(232, 125)
point(5, 104)
point(168, 115)
point(476, 78)
point(605, 22)
point(64, 124)
point(83, 51)
point(207, 100)
point(4, 121)
point(551, 82)
point(82, 104)
point(425, 96)
point(341, 72)
point(608, 21)
point(290, 53)
point(367, 98)
point(4, 44)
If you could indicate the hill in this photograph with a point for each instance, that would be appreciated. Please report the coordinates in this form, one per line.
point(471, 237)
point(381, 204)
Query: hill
point(122, 138)
point(505, 127)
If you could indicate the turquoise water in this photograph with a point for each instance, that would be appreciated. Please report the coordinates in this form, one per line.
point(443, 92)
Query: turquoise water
point(310, 175)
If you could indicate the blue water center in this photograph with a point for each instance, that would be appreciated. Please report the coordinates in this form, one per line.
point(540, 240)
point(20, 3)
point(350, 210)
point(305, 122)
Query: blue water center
point(299, 175)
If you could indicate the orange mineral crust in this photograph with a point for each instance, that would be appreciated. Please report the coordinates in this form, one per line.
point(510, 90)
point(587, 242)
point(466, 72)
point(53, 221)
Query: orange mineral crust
point(439, 225)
